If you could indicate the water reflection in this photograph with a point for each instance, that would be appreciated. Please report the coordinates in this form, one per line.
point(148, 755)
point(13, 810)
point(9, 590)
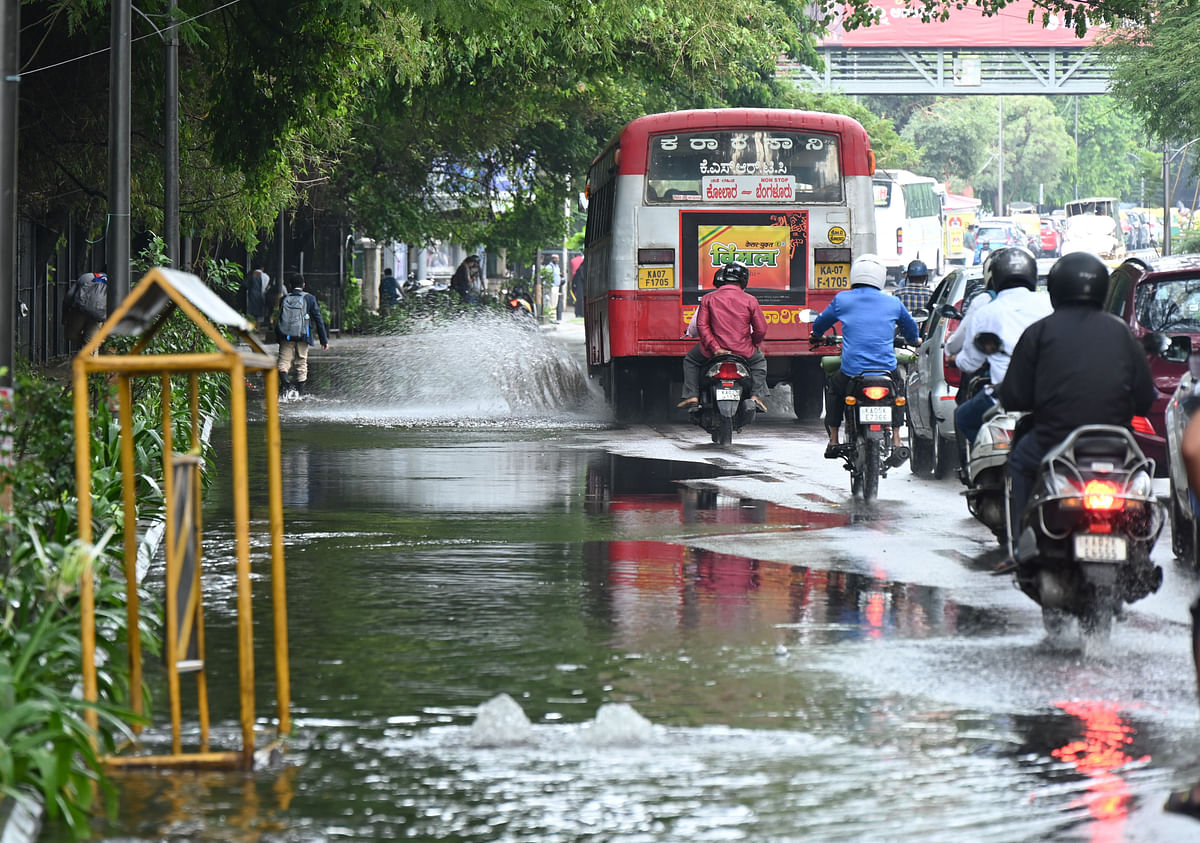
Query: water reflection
point(429, 572)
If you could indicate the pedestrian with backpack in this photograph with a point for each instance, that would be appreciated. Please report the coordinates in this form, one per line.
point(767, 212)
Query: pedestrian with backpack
point(298, 320)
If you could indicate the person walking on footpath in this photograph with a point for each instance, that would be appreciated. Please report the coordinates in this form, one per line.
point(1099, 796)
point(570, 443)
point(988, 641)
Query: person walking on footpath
point(389, 292)
point(298, 315)
point(559, 288)
point(255, 291)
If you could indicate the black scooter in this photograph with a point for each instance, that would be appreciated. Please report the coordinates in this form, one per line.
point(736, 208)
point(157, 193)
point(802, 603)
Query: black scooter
point(1087, 533)
point(725, 404)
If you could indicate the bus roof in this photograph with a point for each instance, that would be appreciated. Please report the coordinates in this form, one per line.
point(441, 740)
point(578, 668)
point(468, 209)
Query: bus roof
point(634, 138)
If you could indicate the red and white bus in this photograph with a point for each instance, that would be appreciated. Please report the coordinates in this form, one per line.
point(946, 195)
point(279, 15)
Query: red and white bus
point(675, 196)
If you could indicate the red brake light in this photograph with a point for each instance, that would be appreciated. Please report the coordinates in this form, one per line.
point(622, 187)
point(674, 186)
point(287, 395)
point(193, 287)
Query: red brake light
point(876, 392)
point(1102, 495)
point(951, 373)
point(1141, 424)
point(728, 369)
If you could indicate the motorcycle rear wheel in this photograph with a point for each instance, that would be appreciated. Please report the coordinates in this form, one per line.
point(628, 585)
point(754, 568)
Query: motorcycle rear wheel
point(871, 470)
point(1056, 622)
point(723, 430)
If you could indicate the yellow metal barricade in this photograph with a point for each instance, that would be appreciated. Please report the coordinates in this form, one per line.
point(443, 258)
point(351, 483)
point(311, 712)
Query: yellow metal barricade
point(142, 313)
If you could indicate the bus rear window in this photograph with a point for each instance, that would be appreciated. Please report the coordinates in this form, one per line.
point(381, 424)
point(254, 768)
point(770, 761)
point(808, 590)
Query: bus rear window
point(745, 166)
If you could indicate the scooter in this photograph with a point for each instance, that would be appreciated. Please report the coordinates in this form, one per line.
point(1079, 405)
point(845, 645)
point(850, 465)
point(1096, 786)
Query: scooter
point(725, 404)
point(873, 407)
point(519, 302)
point(1087, 533)
point(986, 472)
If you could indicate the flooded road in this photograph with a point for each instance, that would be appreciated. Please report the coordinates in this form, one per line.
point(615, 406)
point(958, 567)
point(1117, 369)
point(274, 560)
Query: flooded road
point(674, 642)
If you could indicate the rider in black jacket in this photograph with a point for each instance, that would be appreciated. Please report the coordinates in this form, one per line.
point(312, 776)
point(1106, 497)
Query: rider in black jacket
point(1077, 366)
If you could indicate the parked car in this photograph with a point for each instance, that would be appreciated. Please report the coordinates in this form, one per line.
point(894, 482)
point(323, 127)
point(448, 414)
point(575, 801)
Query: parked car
point(1185, 526)
point(1049, 239)
point(933, 380)
point(1159, 295)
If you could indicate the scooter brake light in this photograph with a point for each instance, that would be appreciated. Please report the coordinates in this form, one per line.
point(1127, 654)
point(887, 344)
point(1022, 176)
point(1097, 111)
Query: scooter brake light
point(875, 393)
point(728, 369)
point(1102, 495)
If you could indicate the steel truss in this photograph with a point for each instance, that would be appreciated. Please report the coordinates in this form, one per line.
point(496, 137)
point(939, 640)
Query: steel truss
point(954, 72)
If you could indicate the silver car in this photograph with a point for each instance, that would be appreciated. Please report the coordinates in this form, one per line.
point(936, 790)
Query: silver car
point(933, 380)
point(1185, 530)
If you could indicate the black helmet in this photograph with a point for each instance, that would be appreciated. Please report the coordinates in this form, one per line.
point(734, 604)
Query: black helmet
point(917, 269)
point(1078, 278)
point(734, 272)
point(1010, 267)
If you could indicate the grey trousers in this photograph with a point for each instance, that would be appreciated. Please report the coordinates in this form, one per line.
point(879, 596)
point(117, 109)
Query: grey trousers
point(695, 359)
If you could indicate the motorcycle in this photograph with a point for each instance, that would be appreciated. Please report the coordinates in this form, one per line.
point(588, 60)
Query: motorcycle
point(986, 472)
point(725, 404)
point(873, 407)
point(1087, 533)
point(519, 302)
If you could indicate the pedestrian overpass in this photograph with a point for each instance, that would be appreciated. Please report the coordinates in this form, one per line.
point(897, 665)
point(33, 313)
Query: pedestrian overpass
point(967, 54)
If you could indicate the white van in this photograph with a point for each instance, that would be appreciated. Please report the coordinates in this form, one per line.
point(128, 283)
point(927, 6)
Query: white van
point(908, 221)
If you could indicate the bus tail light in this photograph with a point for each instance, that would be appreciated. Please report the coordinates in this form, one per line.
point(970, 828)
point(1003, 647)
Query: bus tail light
point(870, 162)
point(899, 241)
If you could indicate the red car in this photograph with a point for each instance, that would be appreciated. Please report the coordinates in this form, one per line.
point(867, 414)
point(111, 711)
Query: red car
point(1163, 296)
point(1049, 239)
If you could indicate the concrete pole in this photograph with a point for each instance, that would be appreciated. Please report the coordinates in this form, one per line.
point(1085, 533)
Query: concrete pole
point(116, 242)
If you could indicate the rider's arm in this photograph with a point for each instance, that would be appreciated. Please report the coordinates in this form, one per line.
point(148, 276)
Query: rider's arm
point(908, 325)
point(758, 324)
point(708, 341)
point(1020, 381)
point(1190, 448)
point(825, 321)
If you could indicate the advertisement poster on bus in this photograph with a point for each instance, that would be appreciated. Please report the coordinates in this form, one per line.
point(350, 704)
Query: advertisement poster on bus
point(773, 246)
point(763, 248)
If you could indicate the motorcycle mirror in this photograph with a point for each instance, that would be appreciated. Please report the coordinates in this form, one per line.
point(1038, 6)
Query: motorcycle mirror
point(808, 315)
point(1179, 350)
point(988, 343)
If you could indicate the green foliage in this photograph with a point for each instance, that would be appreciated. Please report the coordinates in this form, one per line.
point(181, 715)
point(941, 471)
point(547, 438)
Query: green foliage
point(1152, 74)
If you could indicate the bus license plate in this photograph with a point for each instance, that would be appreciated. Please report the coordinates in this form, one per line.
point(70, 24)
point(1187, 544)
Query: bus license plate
point(1094, 548)
point(729, 395)
point(831, 276)
point(875, 415)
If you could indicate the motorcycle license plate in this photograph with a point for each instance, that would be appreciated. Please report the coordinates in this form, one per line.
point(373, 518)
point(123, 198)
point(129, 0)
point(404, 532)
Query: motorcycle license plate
point(729, 394)
point(1094, 548)
point(875, 415)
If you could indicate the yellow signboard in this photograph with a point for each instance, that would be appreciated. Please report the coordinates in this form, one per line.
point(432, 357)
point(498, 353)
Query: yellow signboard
point(831, 276)
point(656, 277)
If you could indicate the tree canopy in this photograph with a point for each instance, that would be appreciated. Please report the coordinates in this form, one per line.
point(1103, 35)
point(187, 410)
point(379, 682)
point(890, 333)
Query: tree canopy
point(412, 120)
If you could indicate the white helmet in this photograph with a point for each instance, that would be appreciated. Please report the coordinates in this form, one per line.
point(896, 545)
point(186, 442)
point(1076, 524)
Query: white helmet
point(868, 269)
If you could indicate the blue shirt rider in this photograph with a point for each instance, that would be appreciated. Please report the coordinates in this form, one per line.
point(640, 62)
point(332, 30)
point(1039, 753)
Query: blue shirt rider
point(869, 320)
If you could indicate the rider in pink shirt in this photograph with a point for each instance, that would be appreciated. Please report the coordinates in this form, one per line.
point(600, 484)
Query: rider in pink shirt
point(730, 321)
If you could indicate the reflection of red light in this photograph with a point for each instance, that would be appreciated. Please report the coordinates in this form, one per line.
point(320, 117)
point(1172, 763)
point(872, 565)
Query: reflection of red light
point(1097, 755)
point(874, 612)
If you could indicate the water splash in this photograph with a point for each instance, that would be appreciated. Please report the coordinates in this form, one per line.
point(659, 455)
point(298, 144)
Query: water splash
point(500, 722)
point(618, 724)
point(481, 367)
